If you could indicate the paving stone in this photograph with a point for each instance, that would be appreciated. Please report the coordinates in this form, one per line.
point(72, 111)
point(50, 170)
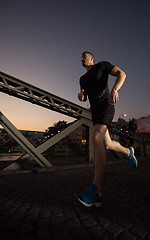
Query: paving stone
point(139, 231)
point(89, 222)
point(69, 214)
point(44, 214)
point(2, 227)
point(71, 223)
point(8, 236)
point(10, 211)
point(58, 228)
point(57, 210)
point(63, 235)
point(26, 228)
point(148, 238)
point(6, 204)
point(27, 237)
point(114, 229)
point(79, 232)
point(26, 205)
point(104, 221)
point(30, 218)
point(96, 232)
point(125, 223)
point(126, 236)
point(43, 232)
point(13, 226)
point(56, 220)
point(83, 214)
point(18, 214)
point(33, 211)
point(43, 222)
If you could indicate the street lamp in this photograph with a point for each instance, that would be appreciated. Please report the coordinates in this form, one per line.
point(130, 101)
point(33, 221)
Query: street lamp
point(123, 115)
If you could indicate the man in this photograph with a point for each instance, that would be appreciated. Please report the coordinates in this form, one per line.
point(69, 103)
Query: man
point(94, 86)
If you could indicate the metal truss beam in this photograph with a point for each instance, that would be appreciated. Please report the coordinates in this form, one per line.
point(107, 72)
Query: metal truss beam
point(27, 146)
point(30, 93)
point(4, 138)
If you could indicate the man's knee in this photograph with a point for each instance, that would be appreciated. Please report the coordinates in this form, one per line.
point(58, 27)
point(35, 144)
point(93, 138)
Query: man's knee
point(97, 138)
point(98, 134)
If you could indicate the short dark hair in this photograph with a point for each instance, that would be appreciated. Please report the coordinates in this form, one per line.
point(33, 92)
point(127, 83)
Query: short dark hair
point(88, 53)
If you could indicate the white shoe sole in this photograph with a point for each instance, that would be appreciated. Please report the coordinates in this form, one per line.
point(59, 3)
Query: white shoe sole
point(132, 149)
point(97, 204)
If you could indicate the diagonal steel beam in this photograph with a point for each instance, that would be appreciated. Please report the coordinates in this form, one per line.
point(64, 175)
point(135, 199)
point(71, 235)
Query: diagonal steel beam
point(27, 146)
point(44, 146)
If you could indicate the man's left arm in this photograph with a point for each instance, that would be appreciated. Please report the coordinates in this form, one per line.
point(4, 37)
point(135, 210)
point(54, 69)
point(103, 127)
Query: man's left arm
point(121, 76)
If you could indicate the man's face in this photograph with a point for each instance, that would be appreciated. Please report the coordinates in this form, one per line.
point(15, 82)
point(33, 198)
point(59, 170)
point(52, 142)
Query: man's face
point(87, 60)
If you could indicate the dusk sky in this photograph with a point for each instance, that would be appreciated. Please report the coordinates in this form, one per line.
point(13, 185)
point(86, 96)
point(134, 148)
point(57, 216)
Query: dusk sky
point(41, 43)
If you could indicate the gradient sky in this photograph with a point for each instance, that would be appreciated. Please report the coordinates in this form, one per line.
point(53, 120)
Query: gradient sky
point(41, 43)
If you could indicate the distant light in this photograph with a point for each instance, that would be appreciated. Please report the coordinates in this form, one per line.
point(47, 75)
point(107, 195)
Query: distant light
point(83, 141)
point(123, 115)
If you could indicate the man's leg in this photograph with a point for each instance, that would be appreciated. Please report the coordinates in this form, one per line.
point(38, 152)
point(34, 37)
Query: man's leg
point(116, 146)
point(92, 196)
point(101, 139)
point(113, 145)
point(99, 132)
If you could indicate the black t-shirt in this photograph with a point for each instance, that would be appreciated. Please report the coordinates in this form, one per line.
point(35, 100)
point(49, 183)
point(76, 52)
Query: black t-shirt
point(95, 81)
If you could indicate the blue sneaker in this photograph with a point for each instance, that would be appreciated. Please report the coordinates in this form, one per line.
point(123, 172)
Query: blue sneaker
point(89, 197)
point(132, 159)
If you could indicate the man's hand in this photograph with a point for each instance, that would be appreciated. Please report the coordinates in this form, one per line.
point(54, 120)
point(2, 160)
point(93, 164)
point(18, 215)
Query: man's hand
point(114, 96)
point(81, 95)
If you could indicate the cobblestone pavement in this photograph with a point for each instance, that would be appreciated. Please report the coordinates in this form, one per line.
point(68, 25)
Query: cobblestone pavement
point(39, 204)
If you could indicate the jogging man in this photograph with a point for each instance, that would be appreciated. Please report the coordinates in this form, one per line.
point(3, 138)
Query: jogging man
point(94, 86)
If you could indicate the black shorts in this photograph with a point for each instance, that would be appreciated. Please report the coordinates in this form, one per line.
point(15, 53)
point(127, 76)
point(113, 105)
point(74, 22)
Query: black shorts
point(102, 113)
